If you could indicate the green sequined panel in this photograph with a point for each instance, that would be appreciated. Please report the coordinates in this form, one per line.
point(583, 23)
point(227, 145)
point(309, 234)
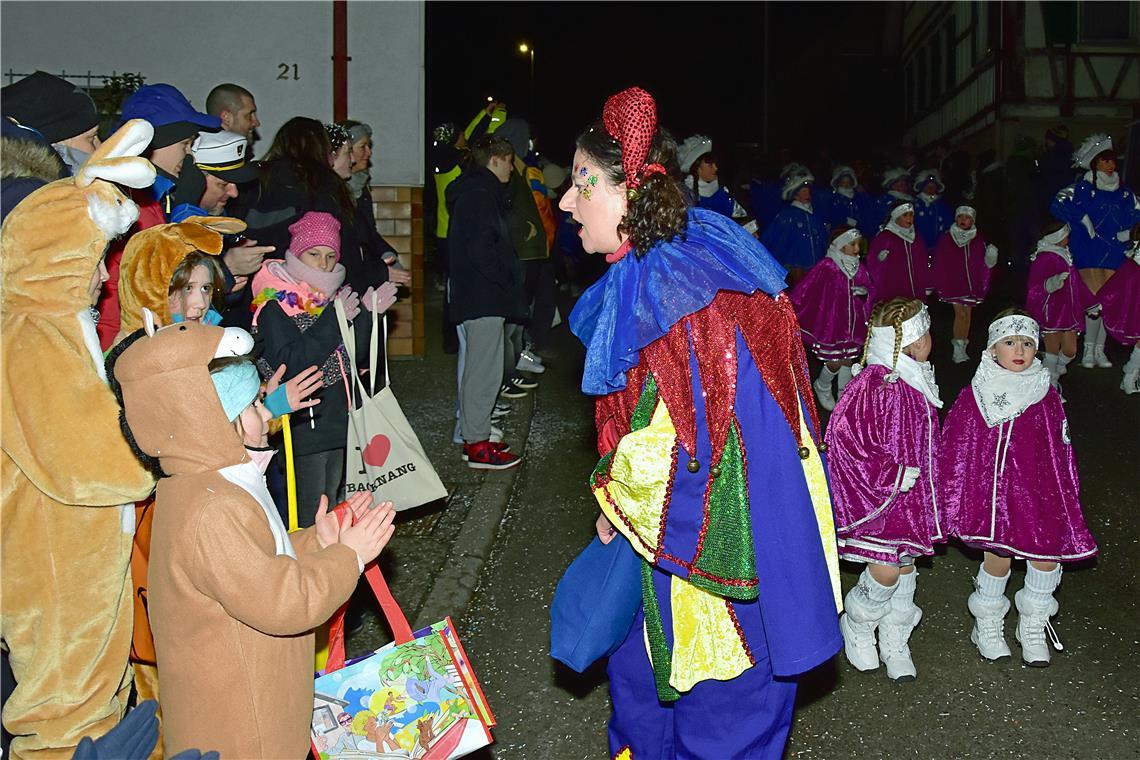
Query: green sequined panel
point(727, 562)
point(659, 655)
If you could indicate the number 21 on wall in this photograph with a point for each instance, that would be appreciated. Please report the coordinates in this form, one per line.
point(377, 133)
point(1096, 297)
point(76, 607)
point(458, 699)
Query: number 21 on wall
point(283, 71)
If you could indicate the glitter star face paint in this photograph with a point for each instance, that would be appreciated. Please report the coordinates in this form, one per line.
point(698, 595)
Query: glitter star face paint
point(596, 204)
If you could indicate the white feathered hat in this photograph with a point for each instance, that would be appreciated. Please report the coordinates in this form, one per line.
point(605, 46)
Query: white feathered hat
point(891, 176)
point(1092, 147)
point(693, 148)
point(841, 172)
point(795, 182)
point(928, 175)
point(793, 168)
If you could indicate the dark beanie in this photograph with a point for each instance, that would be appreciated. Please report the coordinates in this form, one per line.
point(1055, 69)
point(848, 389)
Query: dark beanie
point(517, 133)
point(52, 106)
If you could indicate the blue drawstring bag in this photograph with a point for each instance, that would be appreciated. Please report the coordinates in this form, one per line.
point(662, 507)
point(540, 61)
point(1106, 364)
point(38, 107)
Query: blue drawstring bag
point(595, 603)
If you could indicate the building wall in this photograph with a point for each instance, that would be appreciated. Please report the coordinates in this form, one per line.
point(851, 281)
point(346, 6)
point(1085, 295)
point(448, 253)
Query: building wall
point(985, 74)
point(280, 51)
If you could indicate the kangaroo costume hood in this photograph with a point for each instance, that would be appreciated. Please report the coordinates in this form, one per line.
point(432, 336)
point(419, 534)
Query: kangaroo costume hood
point(66, 467)
point(232, 598)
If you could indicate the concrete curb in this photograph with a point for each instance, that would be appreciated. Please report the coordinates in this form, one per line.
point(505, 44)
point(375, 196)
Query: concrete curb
point(452, 589)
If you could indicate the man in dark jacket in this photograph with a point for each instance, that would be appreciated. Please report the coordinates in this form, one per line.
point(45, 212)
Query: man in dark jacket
point(485, 288)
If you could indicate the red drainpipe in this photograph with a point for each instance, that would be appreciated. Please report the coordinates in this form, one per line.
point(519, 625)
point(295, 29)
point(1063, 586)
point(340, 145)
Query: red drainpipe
point(340, 59)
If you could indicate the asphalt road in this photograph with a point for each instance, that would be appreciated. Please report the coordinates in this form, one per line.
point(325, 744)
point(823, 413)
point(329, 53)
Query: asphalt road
point(1085, 705)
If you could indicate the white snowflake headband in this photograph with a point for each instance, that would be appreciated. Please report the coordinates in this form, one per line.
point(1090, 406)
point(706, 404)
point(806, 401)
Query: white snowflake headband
point(1015, 324)
point(897, 211)
point(850, 236)
point(967, 210)
point(1053, 239)
point(912, 329)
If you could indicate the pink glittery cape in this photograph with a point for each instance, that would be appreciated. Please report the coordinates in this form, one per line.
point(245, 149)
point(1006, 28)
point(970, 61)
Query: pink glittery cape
point(832, 318)
point(1013, 488)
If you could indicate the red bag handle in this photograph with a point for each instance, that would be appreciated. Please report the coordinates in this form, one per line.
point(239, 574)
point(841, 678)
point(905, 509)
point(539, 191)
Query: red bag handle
point(397, 622)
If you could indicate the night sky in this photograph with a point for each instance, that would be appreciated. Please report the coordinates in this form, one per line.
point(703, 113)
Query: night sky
point(833, 83)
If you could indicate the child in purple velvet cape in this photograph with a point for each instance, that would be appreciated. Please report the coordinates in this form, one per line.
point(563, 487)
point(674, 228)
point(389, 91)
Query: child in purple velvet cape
point(897, 259)
point(963, 261)
point(883, 440)
point(1010, 487)
point(1119, 299)
point(1056, 299)
point(833, 303)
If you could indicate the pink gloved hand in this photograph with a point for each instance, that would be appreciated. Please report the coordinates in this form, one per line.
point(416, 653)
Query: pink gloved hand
point(380, 299)
point(351, 302)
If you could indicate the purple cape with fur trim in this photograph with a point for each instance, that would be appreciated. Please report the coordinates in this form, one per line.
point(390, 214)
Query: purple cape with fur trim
point(906, 270)
point(832, 318)
point(878, 429)
point(959, 273)
point(1013, 488)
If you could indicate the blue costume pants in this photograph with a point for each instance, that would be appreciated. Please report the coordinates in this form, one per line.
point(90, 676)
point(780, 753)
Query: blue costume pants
point(747, 718)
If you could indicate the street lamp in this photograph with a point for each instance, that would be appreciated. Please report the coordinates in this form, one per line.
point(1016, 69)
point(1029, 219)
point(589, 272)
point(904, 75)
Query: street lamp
point(527, 49)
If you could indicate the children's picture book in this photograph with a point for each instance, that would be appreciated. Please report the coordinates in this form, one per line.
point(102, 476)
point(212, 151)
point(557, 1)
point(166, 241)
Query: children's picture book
point(416, 700)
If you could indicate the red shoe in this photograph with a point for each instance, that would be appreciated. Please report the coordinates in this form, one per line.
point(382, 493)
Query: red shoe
point(501, 446)
point(488, 456)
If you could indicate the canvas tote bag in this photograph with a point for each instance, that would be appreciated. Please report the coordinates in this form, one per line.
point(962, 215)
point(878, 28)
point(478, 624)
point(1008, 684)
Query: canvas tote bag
point(382, 454)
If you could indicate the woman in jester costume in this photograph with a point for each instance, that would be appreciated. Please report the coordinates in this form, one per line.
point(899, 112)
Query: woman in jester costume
point(711, 456)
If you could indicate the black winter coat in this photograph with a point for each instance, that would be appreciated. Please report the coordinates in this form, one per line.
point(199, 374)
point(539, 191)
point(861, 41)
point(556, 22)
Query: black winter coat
point(485, 274)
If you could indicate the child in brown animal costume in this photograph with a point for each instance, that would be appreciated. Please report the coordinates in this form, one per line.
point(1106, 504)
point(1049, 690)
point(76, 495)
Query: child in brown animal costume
point(66, 468)
point(159, 265)
point(233, 598)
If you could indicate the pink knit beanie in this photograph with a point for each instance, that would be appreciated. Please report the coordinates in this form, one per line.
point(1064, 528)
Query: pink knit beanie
point(313, 229)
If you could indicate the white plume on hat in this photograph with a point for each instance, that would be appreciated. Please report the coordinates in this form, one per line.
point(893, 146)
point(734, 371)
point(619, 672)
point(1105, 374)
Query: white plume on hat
point(1092, 147)
point(794, 167)
point(795, 182)
point(891, 176)
point(928, 175)
point(841, 172)
point(693, 148)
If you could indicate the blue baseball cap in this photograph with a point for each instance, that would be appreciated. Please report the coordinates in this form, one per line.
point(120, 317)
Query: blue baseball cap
point(169, 112)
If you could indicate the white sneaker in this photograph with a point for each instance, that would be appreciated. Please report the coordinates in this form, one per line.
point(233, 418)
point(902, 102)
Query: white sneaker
point(866, 604)
point(530, 362)
point(894, 633)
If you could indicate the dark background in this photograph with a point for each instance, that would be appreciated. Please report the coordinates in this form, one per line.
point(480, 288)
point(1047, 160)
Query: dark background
point(833, 85)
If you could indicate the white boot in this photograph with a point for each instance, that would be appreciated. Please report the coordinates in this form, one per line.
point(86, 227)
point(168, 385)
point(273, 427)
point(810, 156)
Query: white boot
point(1035, 605)
point(896, 627)
point(1094, 341)
point(822, 386)
point(1131, 381)
point(844, 378)
point(988, 605)
point(960, 355)
point(1050, 362)
point(1062, 370)
point(865, 605)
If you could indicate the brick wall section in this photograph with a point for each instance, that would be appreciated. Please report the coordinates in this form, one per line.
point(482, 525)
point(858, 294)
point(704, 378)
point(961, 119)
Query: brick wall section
point(400, 220)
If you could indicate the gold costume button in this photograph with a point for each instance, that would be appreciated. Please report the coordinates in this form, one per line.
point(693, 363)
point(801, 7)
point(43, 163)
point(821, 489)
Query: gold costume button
point(694, 466)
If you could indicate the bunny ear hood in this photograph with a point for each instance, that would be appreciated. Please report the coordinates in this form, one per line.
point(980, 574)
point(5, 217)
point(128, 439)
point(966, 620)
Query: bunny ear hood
point(171, 405)
point(152, 255)
point(52, 241)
